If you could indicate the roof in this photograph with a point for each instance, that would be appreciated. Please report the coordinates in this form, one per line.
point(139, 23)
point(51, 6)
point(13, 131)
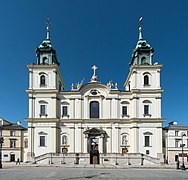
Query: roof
point(12, 127)
point(176, 127)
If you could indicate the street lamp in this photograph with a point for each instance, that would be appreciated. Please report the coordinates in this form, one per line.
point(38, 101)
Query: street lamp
point(1, 142)
point(182, 145)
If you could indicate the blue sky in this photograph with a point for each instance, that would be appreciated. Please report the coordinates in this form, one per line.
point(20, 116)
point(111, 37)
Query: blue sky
point(88, 32)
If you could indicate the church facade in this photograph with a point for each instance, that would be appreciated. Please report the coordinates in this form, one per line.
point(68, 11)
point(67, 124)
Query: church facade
point(94, 119)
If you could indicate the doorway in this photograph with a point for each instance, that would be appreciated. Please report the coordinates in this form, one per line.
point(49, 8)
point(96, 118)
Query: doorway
point(12, 157)
point(94, 157)
point(94, 150)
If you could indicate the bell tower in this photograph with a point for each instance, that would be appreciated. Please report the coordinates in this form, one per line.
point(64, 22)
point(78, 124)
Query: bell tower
point(143, 83)
point(45, 53)
point(143, 53)
point(45, 86)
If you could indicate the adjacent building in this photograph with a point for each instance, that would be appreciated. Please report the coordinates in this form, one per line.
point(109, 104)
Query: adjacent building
point(175, 143)
point(13, 136)
point(95, 119)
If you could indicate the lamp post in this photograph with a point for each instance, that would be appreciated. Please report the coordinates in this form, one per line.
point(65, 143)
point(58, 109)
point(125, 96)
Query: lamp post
point(182, 145)
point(1, 142)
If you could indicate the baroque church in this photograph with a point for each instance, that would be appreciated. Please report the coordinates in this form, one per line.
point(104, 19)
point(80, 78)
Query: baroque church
point(94, 119)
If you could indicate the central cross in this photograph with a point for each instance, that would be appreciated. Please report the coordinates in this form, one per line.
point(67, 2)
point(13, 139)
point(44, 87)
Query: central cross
point(94, 70)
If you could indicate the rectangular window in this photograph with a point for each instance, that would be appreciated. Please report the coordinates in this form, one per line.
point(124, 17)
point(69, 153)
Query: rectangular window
point(12, 133)
point(12, 143)
point(147, 152)
point(26, 143)
point(0, 132)
point(177, 143)
point(42, 140)
point(146, 109)
point(124, 110)
point(42, 109)
point(64, 111)
point(176, 133)
point(147, 143)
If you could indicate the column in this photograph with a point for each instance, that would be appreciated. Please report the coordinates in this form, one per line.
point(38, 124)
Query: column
point(159, 140)
point(86, 143)
point(135, 139)
point(53, 139)
point(72, 139)
point(101, 107)
point(72, 113)
point(158, 105)
point(30, 79)
point(30, 153)
point(101, 143)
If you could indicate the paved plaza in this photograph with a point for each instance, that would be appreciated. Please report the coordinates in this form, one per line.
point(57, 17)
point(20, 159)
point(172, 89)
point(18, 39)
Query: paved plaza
point(63, 173)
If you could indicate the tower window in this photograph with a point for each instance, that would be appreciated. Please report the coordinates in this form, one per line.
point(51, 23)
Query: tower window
point(144, 61)
point(64, 111)
point(146, 80)
point(44, 60)
point(42, 110)
point(42, 80)
point(146, 109)
point(147, 141)
point(124, 111)
point(94, 109)
point(42, 141)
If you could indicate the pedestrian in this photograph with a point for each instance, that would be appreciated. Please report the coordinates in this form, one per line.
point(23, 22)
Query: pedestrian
point(18, 161)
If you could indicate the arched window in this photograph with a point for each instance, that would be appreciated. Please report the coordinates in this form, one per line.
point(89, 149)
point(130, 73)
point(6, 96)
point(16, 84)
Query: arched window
point(144, 61)
point(94, 109)
point(146, 80)
point(64, 140)
point(42, 80)
point(44, 60)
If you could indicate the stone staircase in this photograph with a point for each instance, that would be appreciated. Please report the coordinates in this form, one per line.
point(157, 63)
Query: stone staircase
point(105, 159)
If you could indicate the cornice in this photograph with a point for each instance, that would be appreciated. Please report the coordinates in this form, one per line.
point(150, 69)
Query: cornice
point(47, 120)
point(41, 91)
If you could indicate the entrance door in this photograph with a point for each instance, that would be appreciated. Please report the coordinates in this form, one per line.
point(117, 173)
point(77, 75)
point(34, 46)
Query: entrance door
point(94, 153)
point(94, 157)
point(12, 157)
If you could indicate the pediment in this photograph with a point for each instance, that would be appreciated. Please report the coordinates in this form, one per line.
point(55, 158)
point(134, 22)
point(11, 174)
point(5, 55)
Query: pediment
point(148, 133)
point(42, 133)
point(95, 131)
